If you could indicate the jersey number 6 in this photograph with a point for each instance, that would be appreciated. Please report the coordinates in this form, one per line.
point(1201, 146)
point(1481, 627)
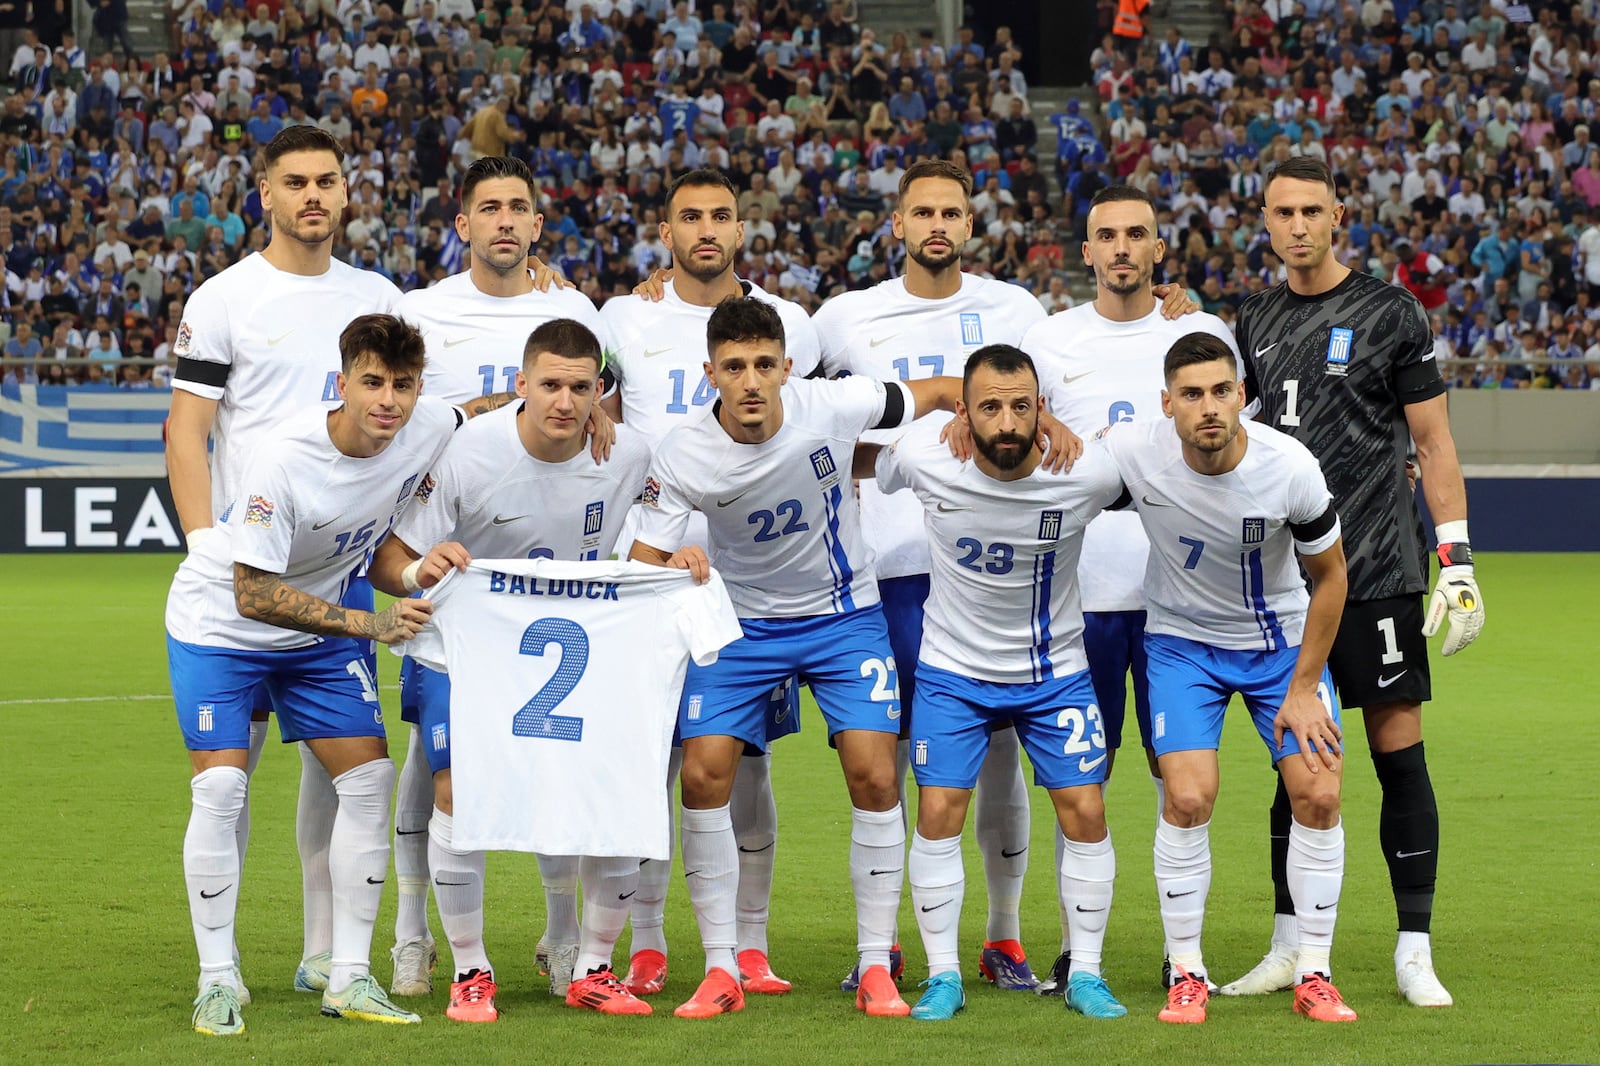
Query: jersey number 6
point(535, 719)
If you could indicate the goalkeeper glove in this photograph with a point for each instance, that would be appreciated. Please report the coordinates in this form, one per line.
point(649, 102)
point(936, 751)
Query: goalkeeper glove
point(1455, 594)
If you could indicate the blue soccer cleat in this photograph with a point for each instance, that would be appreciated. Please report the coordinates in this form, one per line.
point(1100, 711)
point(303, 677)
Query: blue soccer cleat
point(1088, 994)
point(1005, 965)
point(943, 1000)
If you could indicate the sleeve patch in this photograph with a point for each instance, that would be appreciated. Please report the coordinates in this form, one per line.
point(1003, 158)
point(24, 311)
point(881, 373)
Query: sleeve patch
point(258, 512)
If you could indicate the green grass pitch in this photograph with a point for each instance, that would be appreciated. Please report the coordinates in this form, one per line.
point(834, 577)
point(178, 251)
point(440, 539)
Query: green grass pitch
point(101, 960)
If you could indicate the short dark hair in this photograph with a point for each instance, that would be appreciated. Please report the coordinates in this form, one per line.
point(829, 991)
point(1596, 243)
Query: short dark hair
point(743, 318)
point(300, 138)
point(496, 166)
point(1002, 359)
point(937, 168)
point(1192, 349)
point(700, 178)
point(393, 341)
point(1113, 194)
point(1302, 168)
point(566, 337)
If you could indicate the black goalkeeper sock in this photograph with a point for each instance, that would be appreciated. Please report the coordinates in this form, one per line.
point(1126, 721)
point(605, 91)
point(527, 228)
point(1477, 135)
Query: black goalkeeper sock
point(1279, 817)
point(1408, 828)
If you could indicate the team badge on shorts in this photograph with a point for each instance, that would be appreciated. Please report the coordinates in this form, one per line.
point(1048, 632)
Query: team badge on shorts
point(919, 753)
point(258, 512)
point(1341, 342)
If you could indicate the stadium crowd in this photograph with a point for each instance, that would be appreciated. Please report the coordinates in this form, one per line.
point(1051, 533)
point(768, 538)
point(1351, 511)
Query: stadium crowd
point(1461, 138)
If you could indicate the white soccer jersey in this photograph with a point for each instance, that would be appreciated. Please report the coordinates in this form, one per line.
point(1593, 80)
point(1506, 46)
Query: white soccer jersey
point(885, 332)
point(475, 340)
point(307, 511)
point(1222, 567)
point(272, 339)
point(499, 502)
point(657, 354)
point(1003, 593)
point(1096, 373)
point(783, 523)
point(564, 682)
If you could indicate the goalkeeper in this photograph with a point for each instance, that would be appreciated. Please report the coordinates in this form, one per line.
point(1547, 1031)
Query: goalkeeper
point(1344, 362)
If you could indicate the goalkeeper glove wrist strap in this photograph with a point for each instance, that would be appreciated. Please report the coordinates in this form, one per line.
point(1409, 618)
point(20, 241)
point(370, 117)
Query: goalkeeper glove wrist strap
point(1457, 553)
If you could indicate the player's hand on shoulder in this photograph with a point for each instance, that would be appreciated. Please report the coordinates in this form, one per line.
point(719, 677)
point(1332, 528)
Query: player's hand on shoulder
point(1175, 301)
point(440, 561)
point(1311, 722)
point(957, 433)
point(654, 287)
point(1060, 445)
point(401, 620)
point(602, 433)
point(692, 557)
point(545, 275)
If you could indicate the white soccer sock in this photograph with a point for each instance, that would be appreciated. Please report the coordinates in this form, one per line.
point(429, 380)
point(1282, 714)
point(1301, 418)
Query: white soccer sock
point(241, 830)
point(755, 830)
point(1410, 940)
point(413, 805)
point(1088, 873)
point(315, 812)
point(902, 772)
point(1161, 795)
point(648, 914)
point(458, 890)
point(711, 870)
point(211, 867)
point(1183, 880)
point(1003, 821)
point(938, 886)
point(1316, 874)
point(358, 864)
point(608, 886)
point(877, 871)
point(1061, 890)
point(560, 876)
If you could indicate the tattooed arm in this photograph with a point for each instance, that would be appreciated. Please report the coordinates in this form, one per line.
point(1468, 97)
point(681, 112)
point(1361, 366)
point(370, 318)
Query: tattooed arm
point(264, 597)
point(482, 405)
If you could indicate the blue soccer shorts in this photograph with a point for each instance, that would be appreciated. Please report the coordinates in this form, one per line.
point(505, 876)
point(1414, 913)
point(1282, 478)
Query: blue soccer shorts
point(1191, 684)
point(1057, 722)
point(903, 600)
point(1114, 642)
point(429, 693)
point(845, 658)
point(321, 690)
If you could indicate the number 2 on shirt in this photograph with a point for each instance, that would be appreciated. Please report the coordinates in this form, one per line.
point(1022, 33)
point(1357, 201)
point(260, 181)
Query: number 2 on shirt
point(535, 719)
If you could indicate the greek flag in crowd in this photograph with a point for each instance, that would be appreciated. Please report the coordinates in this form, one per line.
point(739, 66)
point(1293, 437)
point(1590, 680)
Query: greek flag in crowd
point(87, 430)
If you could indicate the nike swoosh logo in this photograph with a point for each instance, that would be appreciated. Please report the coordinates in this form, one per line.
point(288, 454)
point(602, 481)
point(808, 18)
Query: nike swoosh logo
point(273, 342)
point(1180, 895)
point(1085, 764)
point(1004, 854)
point(1156, 503)
point(626, 895)
point(1068, 379)
point(318, 526)
point(1326, 906)
point(213, 895)
point(651, 353)
point(451, 884)
point(379, 881)
point(500, 519)
point(756, 851)
point(1407, 854)
point(893, 714)
point(1263, 351)
point(875, 341)
point(936, 906)
point(733, 500)
point(1385, 682)
point(950, 510)
point(1089, 910)
point(880, 873)
point(459, 341)
point(409, 832)
point(686, 874)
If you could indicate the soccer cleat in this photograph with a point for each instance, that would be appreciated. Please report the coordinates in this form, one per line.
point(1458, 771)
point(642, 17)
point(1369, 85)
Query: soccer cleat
point(414, 960)
point(647, 972)
point(1274, 973)
point(216, 1012)
point(878, 996)
point(756, 976)
point(365, 1001)
point(718, 994)
point(239, 987)
point(1418, 986)
point(1211, 986)
point(312, 973)
point(897, 966)
point(1004, 964)
point(1090, 996)
point(472, 998)
point(1317, 999)
point(943, 1000)
point(599, 990)
point(557, 960)
point(1054, 983)
point(1186, 1000)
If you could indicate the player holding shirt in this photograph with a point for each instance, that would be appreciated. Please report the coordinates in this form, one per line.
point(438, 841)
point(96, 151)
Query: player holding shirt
point(1228, 508)
point(471, 322)
point(656, 356)
point(1004, 533)
point(518, 483)
point(1343, 362)
point(258, 603)
point(258, 342)
point(1100, 364)
point(913, 327)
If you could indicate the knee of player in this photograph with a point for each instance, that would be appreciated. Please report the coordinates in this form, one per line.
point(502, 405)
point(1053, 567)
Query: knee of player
point(872, 786)
point(705, 784)
point(1316, 803)
point(941, 812)
point(1188, 804)
point(1081, 812)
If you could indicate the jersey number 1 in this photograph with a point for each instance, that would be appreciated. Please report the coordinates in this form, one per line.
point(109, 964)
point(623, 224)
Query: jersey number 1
point(535, 719)
point(1291, 403)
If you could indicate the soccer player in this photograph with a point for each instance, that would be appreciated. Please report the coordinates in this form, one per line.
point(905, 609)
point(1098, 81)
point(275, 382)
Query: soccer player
point(1100, 364)
point(1004, 534)
point(1228, 508)
point(517, 483)
point(763, 466)
point(471, 321)
point(258, 342)
point(1343, 362)
point(911, 327)
point(656, 356)
point(258, 603)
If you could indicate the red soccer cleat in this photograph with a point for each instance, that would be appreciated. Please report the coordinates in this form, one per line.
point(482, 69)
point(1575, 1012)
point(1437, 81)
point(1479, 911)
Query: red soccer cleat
point(1317, 999)
point(472, 999)
point(647, 973)
point(878, 995)
point(600, 991)
point(718, 994)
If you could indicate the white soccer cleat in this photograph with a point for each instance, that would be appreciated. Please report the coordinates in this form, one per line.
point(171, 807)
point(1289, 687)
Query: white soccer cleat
point(413, 967)
point(1274, 973)
point(239, 987)
point(1413, 972)
point(557, 960)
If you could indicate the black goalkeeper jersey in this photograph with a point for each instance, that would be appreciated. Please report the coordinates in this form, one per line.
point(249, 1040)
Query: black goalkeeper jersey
point(1335, 371)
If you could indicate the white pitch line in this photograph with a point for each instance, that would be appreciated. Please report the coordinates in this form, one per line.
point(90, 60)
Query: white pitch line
point(114, 699)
